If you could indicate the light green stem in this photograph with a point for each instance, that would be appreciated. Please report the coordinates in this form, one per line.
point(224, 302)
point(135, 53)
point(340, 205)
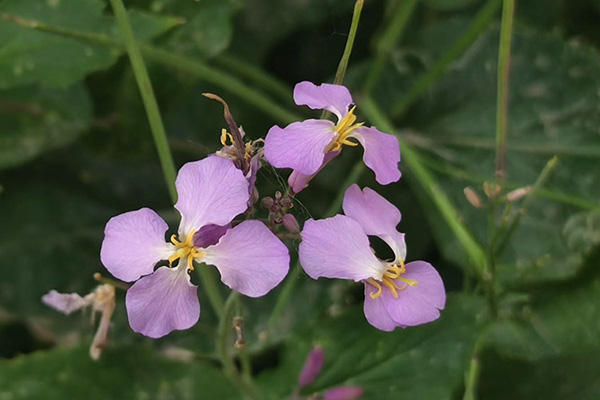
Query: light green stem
point(390, 37)
point(508, 11)
point(411, 159)
point(210, 285)
point(150, 104)
point(480, 22)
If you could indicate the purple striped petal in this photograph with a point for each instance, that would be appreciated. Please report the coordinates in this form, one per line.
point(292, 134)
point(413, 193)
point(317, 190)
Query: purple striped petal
point(250, 258)
point(133, 243)
point(377, 216)
point(162, 302)
point(333, 98)
point(300, 145)
point(337, 247)
point(211, 191)
point(381, 153)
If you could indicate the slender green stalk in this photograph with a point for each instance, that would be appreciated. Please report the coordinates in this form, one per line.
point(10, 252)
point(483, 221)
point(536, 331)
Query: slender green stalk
point(210, 285)
point(150, 104)
point(193, 67)
point(390, 36)
point(411, 159)
point(539, 183)
point(508, 12)
point(343, 65)
point(472, 378)
point(296, 270)
point(479, 23)
point(256, 75)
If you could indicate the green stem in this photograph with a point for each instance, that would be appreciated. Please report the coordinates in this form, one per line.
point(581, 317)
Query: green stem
point(190, 66)
point(540, 181)
point(150, 104)
point(423, 177)
point(343, 65)
point(262, 79)
point(480, 22)
point(473, 373)
point(390, 37)
point(508, 11)
point(209, 283)
point(296, 270)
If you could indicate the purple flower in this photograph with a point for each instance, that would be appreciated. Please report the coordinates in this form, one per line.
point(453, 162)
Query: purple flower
point(249, 257)
point(312, 367)
point(396, 294)
point(308, 145)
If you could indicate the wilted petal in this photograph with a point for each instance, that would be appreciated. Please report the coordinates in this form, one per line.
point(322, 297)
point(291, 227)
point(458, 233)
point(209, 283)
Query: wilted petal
point(65, 302)
point(300, 145)
point(250, 258)
point(133, 243)
point(333, 98)
point(162, 302)
point(376, 313)
point(344, 393)
point(337, 247)
point(209, 235)
point(418, 304)
point(312, 367)
point(376, 215)
point(211, 191)
point(382, 153)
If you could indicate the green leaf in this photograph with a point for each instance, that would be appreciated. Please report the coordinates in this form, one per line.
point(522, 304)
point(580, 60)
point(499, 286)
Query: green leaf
point(30, 56)
point(552, 110)
point(121, 373)
point(424, 362)
point(35, 120)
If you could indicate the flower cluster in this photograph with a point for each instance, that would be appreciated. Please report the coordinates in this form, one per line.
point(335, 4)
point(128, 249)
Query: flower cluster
point(216, 202)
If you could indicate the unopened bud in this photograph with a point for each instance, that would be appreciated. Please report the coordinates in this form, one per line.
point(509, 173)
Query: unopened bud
point(519, 193)
point(312, 367)
point(267, 202)
point(286, 202)
point(290, 223)
point(344, 393)
point(491, 190)
point(472, 197)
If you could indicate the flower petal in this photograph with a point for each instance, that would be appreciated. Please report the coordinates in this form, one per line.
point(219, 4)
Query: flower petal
point(65, 302)
point(300, 145)
point(133, 243)
point(337, 247)
point(376, 313)
point(211, 191)
point(299, 182)
point(333, 98)
point(382, 153)
point(418, 304)
point(377, 216)
point(250, 258)
point(209, 235)
point(162, 302)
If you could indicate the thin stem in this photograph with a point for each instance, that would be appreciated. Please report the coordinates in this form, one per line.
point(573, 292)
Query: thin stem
point(190, 66)
point(508, 12)
point(390, 37)
point(539, 183)
point(150, 104)
point(343, 65)
point(473, 373)
point(209, 282)
point(479, 23)
point(412, 160)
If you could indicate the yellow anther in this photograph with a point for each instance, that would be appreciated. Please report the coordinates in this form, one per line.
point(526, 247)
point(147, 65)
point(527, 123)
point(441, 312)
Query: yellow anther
point(391, 279)
point(185, 249)
point(226, 135)
point(343, 129)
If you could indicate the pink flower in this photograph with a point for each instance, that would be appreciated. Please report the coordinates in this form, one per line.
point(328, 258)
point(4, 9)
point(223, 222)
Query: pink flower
point(249, 257)
point(396, 294)
point(308, 145)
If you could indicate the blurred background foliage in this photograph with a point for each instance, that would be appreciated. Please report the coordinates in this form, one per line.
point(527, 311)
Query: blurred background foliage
point(76, 149)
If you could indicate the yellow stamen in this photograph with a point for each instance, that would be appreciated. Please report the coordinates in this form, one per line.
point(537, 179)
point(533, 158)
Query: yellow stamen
point(391, 278)
point(226, 135)
point(344, 128)
point(185, 249)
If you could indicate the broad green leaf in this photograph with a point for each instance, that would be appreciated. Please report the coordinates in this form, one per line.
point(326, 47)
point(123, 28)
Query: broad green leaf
point(133, 372)
point(425, 362)
point(35, 120)
point(29, 56)
point(552, 110)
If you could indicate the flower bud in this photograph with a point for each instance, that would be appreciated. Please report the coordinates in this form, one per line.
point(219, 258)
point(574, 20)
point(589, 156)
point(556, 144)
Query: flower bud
point(491, 189)
point(472, 197)
point(519, 193)
point(344, 393)
point(312, 367)
point(286, 202)
point(290, 223)
point(267, 202)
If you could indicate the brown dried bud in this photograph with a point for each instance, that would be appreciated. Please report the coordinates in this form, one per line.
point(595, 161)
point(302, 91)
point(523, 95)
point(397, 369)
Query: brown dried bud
point(491, 190)
point(472, 197)
point(519, 193)
point(267, 202)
